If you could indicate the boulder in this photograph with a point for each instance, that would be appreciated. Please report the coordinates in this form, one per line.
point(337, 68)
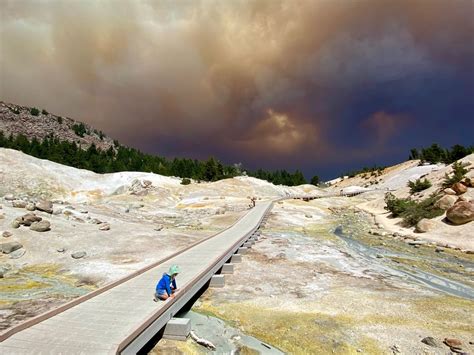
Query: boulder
point(446, 202)
point(453, 343)
point(459, 188)
point(10, 247)
point(28, 219)
point(42, 226)
point(78, 254)
point(45, 206)
point(6, 234)
point(449, 191)
point(15, 224)
point(30, 207)
point(425, 225)
point(461, 213)
point(9, 197)
point(19, 204)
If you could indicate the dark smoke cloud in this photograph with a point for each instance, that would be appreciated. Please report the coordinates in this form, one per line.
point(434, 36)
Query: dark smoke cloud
point(272, 83)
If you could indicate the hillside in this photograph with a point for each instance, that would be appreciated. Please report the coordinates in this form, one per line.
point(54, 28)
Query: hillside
point(16, 119)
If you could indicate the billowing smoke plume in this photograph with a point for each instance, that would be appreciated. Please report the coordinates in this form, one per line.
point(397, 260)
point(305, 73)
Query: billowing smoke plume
point(284, 83)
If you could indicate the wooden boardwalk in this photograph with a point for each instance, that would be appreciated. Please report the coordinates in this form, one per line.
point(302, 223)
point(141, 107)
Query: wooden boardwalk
point(123, 318)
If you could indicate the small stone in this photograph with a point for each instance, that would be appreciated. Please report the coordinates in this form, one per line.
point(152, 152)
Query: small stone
point(379, 256)
point(57, 211)
point(159, 228)
point(19, 204)
point(61, 250)
point(2, 216)
point(10, 247)
point(78, 254)
point(453, 343)
point(9, 197)
point(431, 342)
point(127, 210)
point(449, 191)
point(28, 219)
point(45, 206)
point(307, 215)
point(95, 221)
point(30, 207)
point(105, 227)
point(439, 250)
point(17, 253)
point(6, 234)
point(42, 226)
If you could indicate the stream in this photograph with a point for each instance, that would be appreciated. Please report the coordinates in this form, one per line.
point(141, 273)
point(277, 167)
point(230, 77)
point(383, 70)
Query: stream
point(414, 274)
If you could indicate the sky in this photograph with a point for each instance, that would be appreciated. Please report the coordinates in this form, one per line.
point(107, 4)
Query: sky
point(324, 86)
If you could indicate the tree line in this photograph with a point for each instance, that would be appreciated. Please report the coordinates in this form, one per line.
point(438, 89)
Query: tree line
point(119, 158)
point(436, 154)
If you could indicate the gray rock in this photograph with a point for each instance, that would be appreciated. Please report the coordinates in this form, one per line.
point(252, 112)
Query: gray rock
point(42, 226)
point(19, 204)
point(7, 234)
point(30, 207)
point(10, 247)
point(431, 342)
point(17, 253)
point(307, 215)
point(379, 256)
point(159, 227)
point(417, 242)
point(2, 216)
point(15, 224)
point(95, 221)
point(45, 206)
point(104, 227)
point(57, 211)
point(61, 250)
point(78, 254)
point(220, 211)
point(9, 197)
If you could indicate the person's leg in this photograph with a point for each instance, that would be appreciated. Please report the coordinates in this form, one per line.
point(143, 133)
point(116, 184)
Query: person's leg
point(161, 296)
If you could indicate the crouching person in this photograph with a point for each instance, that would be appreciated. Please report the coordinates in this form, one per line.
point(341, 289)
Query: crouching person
point(166, 287)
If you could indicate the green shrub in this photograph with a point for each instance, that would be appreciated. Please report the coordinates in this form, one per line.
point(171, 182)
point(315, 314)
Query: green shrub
point(185, 181)
point(412, 211)
point(419, 185)
point(34, 111)
point(15, 110)
point(79, 129)
point(44, 112)
point(457, 175)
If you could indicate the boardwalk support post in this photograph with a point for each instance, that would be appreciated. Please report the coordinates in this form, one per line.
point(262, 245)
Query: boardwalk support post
point(236, 258)
point(227, 268)
point(243, 250)
point(217, 281)
point(177, 329)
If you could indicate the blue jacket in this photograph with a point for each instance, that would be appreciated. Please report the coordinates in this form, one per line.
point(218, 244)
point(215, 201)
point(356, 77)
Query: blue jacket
point(165, 284)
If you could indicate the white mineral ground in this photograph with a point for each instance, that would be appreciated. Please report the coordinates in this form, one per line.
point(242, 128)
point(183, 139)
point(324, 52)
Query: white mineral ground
point(301, 289)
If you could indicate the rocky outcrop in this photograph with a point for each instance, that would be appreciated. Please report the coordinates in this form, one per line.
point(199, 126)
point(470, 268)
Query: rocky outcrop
point(461, 213)
point(42, 226)
point(459, 188)
point(446, 202)
point(16, 119)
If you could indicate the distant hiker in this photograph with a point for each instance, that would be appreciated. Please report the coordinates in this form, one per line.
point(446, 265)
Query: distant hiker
point(166, 287)
point(253, 199)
